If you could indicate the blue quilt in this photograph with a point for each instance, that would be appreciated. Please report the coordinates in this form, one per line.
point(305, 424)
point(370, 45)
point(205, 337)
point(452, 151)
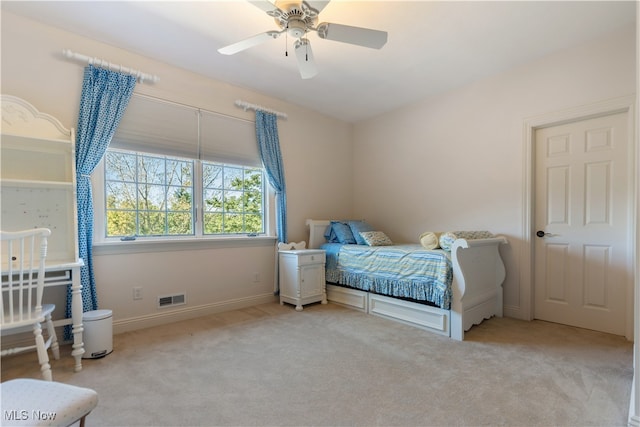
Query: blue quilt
point(406, 271)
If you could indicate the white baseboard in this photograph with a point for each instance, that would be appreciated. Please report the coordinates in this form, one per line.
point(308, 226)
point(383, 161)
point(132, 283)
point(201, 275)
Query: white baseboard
point(513, 312)
point(164, 317)
point(156, 319)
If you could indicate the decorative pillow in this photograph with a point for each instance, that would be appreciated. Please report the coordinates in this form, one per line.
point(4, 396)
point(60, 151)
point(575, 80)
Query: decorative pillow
point(292, 246)
point(447, 239)
point(330, 235)
point(376, 238)
point(357, 227)
point(343, 233)
point(430, 240)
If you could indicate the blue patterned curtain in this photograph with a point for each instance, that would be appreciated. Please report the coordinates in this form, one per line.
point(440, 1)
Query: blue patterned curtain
point(269, 144)
point(105, 95)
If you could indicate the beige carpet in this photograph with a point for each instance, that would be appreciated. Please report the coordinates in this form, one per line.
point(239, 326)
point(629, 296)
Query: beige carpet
point(330, 366)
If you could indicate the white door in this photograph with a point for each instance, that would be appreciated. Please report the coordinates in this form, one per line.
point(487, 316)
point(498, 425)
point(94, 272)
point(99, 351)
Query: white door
point(582, 223)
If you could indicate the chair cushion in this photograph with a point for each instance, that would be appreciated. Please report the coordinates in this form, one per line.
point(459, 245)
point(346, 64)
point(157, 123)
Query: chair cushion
point(31, 402)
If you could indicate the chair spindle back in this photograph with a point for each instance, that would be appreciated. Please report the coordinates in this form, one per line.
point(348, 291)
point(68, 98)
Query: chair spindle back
point(23, 265)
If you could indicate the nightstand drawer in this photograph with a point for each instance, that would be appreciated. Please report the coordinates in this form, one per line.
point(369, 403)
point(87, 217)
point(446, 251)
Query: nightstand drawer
point(316, 258)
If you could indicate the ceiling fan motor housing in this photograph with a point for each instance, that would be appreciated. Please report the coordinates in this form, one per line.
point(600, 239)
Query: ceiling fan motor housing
point(295, 17)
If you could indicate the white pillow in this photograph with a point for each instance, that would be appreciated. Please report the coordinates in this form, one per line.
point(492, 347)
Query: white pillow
point(376, 238)
point(430, 240)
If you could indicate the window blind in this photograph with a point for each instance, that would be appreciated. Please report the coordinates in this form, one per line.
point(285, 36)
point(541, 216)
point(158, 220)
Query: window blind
point(228, 140)
point(162, 127)
point(158, 127)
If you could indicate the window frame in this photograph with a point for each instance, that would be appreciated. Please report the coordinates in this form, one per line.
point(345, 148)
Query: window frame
point(137, 184)
point(105, 245)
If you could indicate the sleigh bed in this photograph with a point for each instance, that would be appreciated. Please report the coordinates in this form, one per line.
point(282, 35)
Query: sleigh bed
point(446, 292)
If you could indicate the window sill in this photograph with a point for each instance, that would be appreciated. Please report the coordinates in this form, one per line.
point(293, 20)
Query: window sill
point(173, 245)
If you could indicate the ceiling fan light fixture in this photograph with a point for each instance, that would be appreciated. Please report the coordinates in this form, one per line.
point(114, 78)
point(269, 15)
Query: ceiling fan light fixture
point(296, 28)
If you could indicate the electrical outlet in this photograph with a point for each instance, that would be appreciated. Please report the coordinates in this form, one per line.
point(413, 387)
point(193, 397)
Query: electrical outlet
point(137, 292)
point(256, 277)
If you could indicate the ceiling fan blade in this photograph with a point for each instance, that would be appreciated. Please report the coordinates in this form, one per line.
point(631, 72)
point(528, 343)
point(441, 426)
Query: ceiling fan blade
point(317, 5)
point(354, 35)
point(271, 9)
point(306, 63)
point(250, 42)
point(264, 5)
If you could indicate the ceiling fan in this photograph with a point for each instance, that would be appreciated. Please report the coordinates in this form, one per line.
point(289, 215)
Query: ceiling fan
point(296, 19)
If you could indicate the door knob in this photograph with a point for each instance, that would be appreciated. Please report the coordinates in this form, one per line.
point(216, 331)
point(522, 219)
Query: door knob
point(541, 233)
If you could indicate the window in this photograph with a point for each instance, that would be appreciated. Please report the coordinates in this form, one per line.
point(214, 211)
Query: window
point(150, 195)
point(174, 171)
point(233, 199)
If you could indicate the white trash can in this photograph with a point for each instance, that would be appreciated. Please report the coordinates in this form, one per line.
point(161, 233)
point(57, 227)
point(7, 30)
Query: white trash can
point(98, 333)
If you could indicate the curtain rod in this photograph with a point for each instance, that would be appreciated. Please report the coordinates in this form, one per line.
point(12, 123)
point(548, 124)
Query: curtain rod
point(108, 65)
point(247, 106)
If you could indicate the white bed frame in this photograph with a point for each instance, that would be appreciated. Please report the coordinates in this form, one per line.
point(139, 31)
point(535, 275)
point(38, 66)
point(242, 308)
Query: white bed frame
point(478, 273)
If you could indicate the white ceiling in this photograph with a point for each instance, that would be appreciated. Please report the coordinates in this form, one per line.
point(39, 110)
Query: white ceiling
point(433, 46)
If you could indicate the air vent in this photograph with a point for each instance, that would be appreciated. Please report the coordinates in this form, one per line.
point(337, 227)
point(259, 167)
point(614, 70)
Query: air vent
point(171, 300)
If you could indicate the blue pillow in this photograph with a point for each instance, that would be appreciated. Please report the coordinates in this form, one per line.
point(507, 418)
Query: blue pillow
point(330, 235)
point(343, 233)
point(357, 227)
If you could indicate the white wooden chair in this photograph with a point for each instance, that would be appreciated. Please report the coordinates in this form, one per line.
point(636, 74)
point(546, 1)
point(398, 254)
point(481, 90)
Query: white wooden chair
point(31, 402)
point(23, 262)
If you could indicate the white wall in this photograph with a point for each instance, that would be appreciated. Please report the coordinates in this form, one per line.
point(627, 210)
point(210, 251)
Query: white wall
point(455, 162)
point(214, 278)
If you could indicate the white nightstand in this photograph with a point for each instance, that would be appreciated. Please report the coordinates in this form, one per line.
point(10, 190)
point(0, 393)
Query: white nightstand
point(302, 277)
